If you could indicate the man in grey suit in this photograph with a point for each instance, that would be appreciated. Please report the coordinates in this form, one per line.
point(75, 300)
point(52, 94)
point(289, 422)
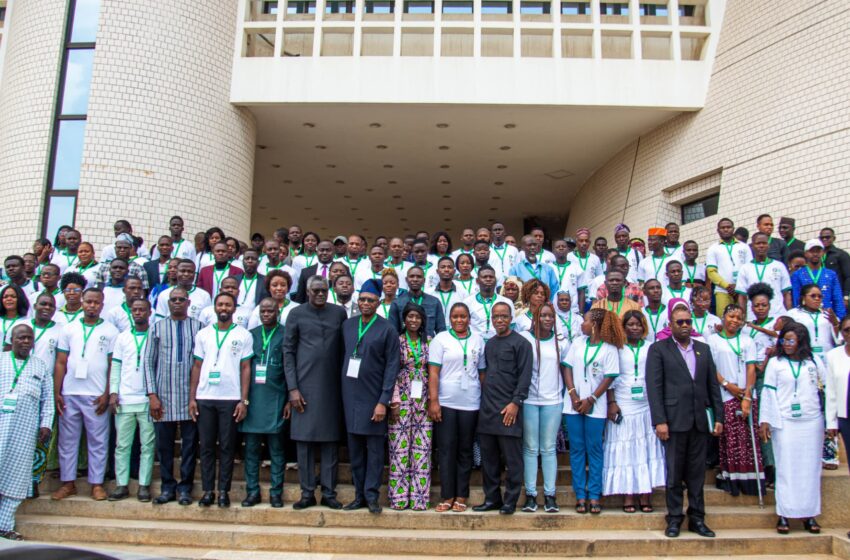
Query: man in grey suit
point(684, 401)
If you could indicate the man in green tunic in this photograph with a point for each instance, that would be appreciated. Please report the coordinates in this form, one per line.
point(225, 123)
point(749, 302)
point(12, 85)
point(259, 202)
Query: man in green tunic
point(269, 407)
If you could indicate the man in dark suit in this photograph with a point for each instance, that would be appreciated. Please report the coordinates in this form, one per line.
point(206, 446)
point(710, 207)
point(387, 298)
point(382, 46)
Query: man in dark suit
point(252, 284)
point(325, 254)
point(156, 268)
point(681, 383)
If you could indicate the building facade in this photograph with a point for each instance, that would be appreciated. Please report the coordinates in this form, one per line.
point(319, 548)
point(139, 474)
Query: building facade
point(389, 116)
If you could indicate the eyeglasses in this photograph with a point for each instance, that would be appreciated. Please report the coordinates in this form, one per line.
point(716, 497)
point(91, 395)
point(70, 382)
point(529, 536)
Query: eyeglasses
point(684, 322)
point(178, 299)
point(816, 296)
point(788, 341)
point(73, 290)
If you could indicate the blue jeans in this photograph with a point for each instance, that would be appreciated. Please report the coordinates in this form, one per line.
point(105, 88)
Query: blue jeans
point(539, 432)
point(585, 434)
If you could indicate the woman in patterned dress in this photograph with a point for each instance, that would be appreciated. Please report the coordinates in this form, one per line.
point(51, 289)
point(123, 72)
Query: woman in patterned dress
point(410, 427)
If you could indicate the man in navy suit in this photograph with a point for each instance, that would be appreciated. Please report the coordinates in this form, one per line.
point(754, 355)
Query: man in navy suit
point(684, 397)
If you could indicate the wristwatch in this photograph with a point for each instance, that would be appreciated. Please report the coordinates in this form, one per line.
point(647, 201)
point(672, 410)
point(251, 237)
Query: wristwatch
point(246, 402)
point(725, 383)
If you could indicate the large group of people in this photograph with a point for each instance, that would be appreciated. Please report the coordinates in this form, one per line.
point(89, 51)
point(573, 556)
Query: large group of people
point(495, 354)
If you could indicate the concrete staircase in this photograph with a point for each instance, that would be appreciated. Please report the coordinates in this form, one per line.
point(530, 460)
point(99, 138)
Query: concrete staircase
point(193, 532)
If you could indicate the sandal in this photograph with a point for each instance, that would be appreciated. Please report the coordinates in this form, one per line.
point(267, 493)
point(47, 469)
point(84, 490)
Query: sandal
point(630, 508)
point(596, 508)
point(782, 526)
point(646, 508)
point(811, 526)
point(581, 506)
point(444, 507)
point(459, 507)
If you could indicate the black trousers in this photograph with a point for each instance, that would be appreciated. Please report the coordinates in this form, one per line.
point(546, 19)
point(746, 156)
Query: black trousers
point(367, 465)
point(166, 436)
point(454, 437)
point(496, 452)
point(328, 473)
point(685, 459)
point(217, 431)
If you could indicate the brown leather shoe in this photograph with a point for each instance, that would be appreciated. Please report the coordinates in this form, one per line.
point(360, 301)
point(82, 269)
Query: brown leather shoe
point(66, 490)
point(98, 493)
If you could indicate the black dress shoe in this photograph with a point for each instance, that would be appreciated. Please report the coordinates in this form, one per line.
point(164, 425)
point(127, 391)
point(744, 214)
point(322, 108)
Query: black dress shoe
point(120, 493)
point(673, 528)
point(811, 525)
point(144, 494)
point(374, 507)
point(163, 499)
point(356, 504)
point(332, 503)
point(304, 502)
point(507, 510)
point(185, 499)
point(782, 526)
point(251, 500)
point(487, 506)
point(276, 500)
point(224, 500)
point(700, 528)
point(207, 499)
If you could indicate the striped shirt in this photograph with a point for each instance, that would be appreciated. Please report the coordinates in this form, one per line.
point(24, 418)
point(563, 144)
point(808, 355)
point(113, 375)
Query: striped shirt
point(168, 365)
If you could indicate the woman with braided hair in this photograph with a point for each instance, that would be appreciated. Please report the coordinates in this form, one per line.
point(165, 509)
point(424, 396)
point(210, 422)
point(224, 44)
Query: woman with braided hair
point(592, 365)
point(534, 293)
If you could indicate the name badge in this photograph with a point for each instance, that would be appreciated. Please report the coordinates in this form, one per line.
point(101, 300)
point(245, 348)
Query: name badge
point(817, 349)
point(82, 369)
point(10, 402)
point(416, 389)
point(353, 368)
point(734, 276)
point(796, 410)
point(637, 393)
point(260, 376)
point(214, 378)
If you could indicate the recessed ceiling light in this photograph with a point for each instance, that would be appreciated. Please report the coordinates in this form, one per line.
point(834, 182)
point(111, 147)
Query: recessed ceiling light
point(559, 174)
point(447, 219)
point(443, 148)
point(396, 196)
point(355, 209)
point(365, 229)
point(340, 182)
point(498, 183)
point(504, 147)
point(321, 147)
point(359, 219)
point(388, 166)
point(442, 125)
point(298, 196)
point(496, 197)
point(273, 218)
point(392, 182)
point(447, 208)
point(375, 125)
point(446, 182)
point(399, 207)
point(307, 208)
point(503, 166)
point(447, 196)
point(493, 209)
point(261, 146)
point(276, 165)
point(263, 207)
point(331, 166)
point(510, 125)
point(287, 181)
point(381, 147)
point(402, 219)
point(369, 190)
point(346, 196)
point(444, 166)
point(309, 125)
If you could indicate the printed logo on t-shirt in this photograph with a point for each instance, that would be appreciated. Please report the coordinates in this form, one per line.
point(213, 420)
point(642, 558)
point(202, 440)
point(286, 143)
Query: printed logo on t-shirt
point(101, 343)
point(775, 274)
point(595, 368)
point(235, 348)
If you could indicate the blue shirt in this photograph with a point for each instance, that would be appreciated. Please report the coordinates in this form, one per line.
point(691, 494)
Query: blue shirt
point(829, 286)
point(525, 271)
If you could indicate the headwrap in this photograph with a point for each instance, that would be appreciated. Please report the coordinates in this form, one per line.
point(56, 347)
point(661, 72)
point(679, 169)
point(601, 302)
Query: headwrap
point(621, 227)
point(372, 286)
point(659, 231)
point(789, 221)
point(126, 237)
point(580, 231)
point(672, 305)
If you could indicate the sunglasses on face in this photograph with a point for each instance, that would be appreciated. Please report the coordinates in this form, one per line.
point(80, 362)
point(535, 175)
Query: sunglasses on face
point(816, 296)
point(825, 237)
point(73, 290)
point(684, 322)
point(178, 299)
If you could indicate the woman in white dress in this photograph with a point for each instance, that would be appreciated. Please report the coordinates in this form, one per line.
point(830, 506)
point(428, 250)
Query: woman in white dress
point(634, 456)
point(791, 417)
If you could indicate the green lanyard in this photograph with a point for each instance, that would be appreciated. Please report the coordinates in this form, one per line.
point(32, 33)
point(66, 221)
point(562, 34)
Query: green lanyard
point(82, 269)
point(176, 251)
point(309, 259)
point(70, 317)
point(590, 361)
point(165, 273)
point(700, 328)
point(562, 269)
point(361, 331)
point(419, 302)
point(36, 329)
point(219, 276)
point(87, 334)
point(671, 250)
point(220, 342)
point(484, 303)
point(796, 374)
point(729, 248)
point(815, 279)
point(790, 241)
point(70, 260)
point(6, 327)
point(568, 323)
point(619, 306)
point(737, 350)
point(815, 319)
point(636, 354)
point(582, 263)
point(680, 293)
point(501, 255)
point(655, 317)
point(140, 343)
point(414, 348)
point(467, 285)
point(464, 343)
point(246, 287)
point(356, 264)
point(760, 275)
point(754, 332)
point(386, 310)
point(18, 371)
point(444, 300)
point(657, 267)
point(691, 274)
point(267, 340)
point(531, 270)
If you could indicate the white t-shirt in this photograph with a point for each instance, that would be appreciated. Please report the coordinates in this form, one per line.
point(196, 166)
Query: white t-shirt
point(301, 262)
point(58, 297)
point(222, 354)
point(254, 319)
point(466, 287)
point(792, 399)
point(706, 325)
point(693, 273)
point(653, 267)
point(589, 268)
point(88, 357)
point(248, 292)
point(523, 321)
point(198, 300)
point(503, 259)
point(761, 340)
point(447, 300)
point(62, 317)
point(589, 369)
point(181, 250)
point(678, 253)
point(728, 260)
point(63, 260)
point(668, 293)
point(45, 343)
point(365, 273)
point(457, 252)
point(6, 326)
point(120, 318)
point(656, 322)
point(570, 277)
point(91, 273)
point(630, 387)
point(569, 325)
point(131, 387)
point(202, 260)
point(731, 357)
point(460, 387)
point(546, 388)
point(241, 316)
point(479, 311)
point(113, 296)
point(774, 274)
point(634, 259)
point(820, 330)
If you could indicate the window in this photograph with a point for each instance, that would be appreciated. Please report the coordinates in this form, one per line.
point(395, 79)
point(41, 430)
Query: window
point(70, 116)
point(686, 10)
point(339, 8)
point(270, 8)
point(613, 9)
point(699, 209)
point(535, 8)
point(2, 13)
point(497, 8)
point(418, 7)
point(457, 7)
point(380, 7)
point(653, 10)
point(575, 8)
point(300, 7)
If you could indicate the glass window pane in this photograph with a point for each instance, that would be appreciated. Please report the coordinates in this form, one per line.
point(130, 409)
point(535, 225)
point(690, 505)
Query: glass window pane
point(69, 155)
point(75, 97)
point(60, 212)
point(86, 15)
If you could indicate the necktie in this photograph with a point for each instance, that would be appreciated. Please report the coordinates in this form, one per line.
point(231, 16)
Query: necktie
point(324, 271)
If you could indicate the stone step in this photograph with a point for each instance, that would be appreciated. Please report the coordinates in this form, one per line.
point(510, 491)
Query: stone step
point(720, 517)
point(345, 493)
point(378, 541)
